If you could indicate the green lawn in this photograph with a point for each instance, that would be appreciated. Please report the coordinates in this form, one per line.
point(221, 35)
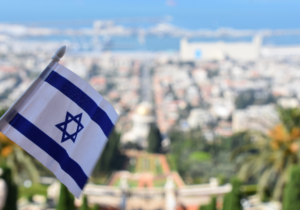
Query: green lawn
point(37, 189)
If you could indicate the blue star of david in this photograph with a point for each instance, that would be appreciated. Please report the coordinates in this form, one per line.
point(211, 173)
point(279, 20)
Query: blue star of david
point(63, 127)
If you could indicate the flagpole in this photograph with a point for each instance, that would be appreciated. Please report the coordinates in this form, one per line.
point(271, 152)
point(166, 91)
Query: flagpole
point(13, 110)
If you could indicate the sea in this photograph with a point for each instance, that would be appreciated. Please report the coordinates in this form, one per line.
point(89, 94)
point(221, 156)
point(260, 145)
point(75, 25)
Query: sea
point(149, 43)
point(153, 43)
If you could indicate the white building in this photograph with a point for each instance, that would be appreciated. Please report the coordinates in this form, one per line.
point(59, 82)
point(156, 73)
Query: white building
point(288, 102)
point(247, 51)
point(259, 118)
point(142, 119)
point(199, 118)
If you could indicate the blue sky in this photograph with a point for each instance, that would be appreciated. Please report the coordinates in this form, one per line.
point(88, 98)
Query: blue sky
point(194, 14)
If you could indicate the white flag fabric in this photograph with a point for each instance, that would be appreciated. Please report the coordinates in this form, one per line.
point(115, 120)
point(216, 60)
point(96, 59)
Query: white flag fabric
point(64, 124)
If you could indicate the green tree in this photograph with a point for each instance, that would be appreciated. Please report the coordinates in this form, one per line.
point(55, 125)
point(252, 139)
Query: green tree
point(211, 206)
point(250, 97)
point(205, 207)
point(66, 199)
point(154, 139)
point(236, 140)
point(197, 159)
point(291, 197)
point(2, 111)
point(232, 199)
point(96, 207)
point(111, 157)
point(84, 205)
point(12, 190)
point(244, 99)
point(269, 157)
point(290, 118)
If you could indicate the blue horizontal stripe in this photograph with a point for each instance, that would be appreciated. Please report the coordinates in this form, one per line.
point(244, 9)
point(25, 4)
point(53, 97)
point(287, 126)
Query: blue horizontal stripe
point(51, 147)
point(82, 100)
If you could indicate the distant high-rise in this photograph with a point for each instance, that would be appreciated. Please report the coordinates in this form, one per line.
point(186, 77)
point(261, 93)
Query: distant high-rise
point(247, 51)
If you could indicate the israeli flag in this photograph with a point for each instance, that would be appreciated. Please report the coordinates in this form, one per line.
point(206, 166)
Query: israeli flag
point(64, 123)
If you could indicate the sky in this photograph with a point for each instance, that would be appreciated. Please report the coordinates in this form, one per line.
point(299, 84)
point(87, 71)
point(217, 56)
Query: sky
point(192, 14)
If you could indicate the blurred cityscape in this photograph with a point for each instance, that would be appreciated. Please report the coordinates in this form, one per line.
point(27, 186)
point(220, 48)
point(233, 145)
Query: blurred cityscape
point(220, 86)
point(196, 86)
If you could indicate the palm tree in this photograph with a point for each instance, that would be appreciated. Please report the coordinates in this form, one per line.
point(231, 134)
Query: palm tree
point(268, 156)
point(17, 159)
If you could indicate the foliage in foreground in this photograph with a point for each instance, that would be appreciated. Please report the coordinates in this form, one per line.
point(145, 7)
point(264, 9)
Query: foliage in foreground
point(197, 159)
point(84, 205)
point(232, 199)
point(96, 207)
point(66, 199)
point(291, 198)
point(270, 156)
point(111, 157)
point(16, 158)
point(12, 190)
point(211, 206)
point(154, 139)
